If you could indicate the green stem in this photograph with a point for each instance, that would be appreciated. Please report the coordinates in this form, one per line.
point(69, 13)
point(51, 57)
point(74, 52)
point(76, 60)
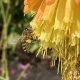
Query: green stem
point(4, 54)
point(6, 21)
point(23, 72)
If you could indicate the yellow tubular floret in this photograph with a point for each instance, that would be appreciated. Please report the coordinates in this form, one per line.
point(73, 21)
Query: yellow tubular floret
point(57, 25)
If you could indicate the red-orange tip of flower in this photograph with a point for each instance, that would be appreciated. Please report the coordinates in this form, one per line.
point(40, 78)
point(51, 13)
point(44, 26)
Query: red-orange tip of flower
point(77, 2)
point(49, 2)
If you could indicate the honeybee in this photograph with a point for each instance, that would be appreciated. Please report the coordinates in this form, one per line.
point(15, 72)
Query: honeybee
point(28, 39)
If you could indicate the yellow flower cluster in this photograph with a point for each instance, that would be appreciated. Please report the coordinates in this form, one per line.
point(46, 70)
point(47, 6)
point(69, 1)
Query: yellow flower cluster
point(57, 25)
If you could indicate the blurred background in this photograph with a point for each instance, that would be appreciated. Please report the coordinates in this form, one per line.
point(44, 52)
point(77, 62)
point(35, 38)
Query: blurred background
point(15, 62)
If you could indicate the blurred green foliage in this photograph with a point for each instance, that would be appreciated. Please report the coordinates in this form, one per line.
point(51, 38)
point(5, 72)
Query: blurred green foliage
point(17, 22)
point(12, 24)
